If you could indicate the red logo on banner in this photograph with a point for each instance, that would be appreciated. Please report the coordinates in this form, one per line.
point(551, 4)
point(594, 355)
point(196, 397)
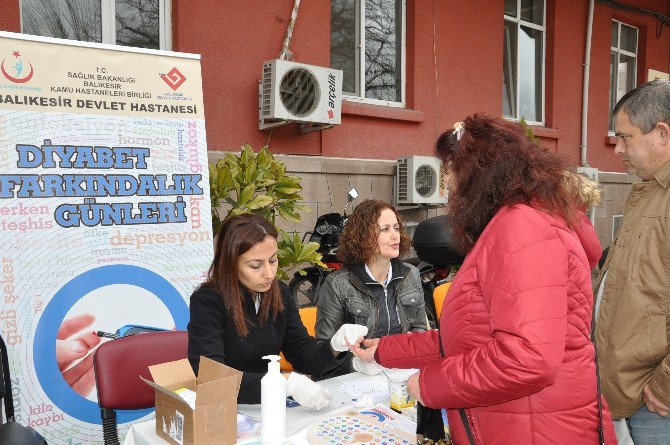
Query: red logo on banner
point(174, 78)
point(331, 114)
point(14, 70)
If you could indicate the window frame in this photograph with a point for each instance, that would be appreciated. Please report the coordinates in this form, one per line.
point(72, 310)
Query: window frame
point(108, 23)
point(618, 51)
point(360, 60)
point(518, 21)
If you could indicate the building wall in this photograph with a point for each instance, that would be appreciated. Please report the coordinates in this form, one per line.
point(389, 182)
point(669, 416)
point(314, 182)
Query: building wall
point(326, 181)
point(10, 19)
point(615, 188)
point(454, 51)
point(454, 64)
point(653, 53)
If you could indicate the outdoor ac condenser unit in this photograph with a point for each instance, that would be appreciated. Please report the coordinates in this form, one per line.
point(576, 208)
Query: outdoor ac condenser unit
point(296, 92)
point(419, 181)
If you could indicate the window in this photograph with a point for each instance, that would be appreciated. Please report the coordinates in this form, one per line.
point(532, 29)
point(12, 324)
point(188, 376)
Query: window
point(623, 63)
point(616, 223)
point(523, 60)
point(377, 74)
point(139, 23)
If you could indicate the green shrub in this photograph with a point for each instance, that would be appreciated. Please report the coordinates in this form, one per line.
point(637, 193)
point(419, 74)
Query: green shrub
point(257, 183)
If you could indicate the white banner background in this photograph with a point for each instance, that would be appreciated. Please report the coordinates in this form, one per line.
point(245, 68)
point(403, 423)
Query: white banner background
point(61, 280)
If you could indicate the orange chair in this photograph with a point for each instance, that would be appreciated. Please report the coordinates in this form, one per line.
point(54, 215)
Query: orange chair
point(439, 294)
point(308, 317)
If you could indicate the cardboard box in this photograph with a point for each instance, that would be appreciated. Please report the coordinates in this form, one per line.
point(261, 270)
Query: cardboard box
point(214, 419)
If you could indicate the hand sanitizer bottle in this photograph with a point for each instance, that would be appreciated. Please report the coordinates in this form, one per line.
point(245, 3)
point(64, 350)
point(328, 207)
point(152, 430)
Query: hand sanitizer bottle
point(273, 403)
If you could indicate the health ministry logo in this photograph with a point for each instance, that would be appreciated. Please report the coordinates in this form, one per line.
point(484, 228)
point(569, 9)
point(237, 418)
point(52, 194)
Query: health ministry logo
point(174, 78)
point(14, 69)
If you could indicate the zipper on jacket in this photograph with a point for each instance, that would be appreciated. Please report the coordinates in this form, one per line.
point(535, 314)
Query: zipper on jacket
point(399, 279)
point(388, 312)
point(386, 305)
point(255, 320)
point(397, 302)
point(260, 334)
point(396, 281)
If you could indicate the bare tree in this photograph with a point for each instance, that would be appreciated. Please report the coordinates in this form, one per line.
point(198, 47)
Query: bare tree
point(382, 47)
point(343, 41)
point(382, 50)
point(137, 21)
point(66, 19)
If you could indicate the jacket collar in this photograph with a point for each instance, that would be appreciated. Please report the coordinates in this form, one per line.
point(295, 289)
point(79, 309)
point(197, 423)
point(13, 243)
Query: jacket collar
point(248, 299)
point(662, 176)
point(389, 273)
point(398, 268)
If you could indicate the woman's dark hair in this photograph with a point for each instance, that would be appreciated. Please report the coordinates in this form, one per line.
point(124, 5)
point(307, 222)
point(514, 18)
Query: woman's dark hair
point(238, 235)
point(496, 164)
point(358, 242)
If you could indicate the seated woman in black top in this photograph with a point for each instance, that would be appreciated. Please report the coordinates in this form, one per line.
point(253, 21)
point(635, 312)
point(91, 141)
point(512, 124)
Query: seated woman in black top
point(242, 313)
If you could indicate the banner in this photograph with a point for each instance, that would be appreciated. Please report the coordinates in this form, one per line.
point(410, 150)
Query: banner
point(104, 214)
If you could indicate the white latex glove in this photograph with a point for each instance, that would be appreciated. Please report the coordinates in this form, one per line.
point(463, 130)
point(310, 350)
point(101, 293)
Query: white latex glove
point(306, 392)
point(350, 332)
point(366, 368)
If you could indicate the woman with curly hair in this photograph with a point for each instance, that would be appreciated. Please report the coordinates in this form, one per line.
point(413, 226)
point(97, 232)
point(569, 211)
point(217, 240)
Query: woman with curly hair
point(374, 288)
point(512, 361)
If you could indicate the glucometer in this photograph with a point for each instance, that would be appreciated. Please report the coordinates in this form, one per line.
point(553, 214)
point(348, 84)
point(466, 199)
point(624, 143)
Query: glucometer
point(128, 330)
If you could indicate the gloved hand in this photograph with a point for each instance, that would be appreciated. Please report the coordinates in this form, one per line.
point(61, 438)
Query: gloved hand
point(306, 392)
point(366, 368)
point(350, 332)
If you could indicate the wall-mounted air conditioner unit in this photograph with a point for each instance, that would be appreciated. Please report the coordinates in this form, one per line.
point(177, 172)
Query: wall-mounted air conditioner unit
point(296, 92)
point(419, 181)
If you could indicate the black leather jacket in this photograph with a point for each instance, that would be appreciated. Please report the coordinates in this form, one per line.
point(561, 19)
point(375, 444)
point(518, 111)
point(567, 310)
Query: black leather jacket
point(346, 297)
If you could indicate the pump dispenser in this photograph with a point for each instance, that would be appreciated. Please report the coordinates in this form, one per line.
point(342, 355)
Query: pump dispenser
point(273, 403)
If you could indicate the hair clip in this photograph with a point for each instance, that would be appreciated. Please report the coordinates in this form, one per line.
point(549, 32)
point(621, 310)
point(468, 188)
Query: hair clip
point(459, 128)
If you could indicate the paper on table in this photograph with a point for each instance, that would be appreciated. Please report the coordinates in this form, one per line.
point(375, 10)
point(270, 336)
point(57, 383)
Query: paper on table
point(396, 420)
point(357, 389)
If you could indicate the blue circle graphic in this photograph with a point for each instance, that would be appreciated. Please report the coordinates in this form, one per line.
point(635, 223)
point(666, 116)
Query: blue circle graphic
point(44, 346)
point(379, 416)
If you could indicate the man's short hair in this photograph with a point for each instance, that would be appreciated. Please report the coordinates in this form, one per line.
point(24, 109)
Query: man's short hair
point(647, 105)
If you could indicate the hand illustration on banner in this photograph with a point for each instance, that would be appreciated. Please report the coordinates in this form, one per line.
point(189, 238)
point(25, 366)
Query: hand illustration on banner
point(74, 353)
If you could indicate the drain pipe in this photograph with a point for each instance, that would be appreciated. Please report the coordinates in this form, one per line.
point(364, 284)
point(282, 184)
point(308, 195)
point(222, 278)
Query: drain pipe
point(585, 86)
point(585, 168)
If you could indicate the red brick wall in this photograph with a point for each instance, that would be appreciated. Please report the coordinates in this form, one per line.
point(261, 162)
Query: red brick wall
point(454, 68)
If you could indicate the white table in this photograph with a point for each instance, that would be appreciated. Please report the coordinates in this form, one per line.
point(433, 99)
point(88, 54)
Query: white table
point(298, 419)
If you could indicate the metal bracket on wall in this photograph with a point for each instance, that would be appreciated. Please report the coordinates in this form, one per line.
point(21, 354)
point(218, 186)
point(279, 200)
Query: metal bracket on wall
point(308, 128)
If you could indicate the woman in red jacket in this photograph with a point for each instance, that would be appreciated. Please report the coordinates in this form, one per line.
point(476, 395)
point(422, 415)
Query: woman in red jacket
point(514, 330)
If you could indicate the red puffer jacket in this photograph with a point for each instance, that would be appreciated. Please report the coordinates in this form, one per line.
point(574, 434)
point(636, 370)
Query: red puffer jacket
point(515, 331)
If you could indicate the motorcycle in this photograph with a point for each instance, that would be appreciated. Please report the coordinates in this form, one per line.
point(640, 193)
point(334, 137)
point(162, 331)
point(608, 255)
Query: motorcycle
point(305, 284)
